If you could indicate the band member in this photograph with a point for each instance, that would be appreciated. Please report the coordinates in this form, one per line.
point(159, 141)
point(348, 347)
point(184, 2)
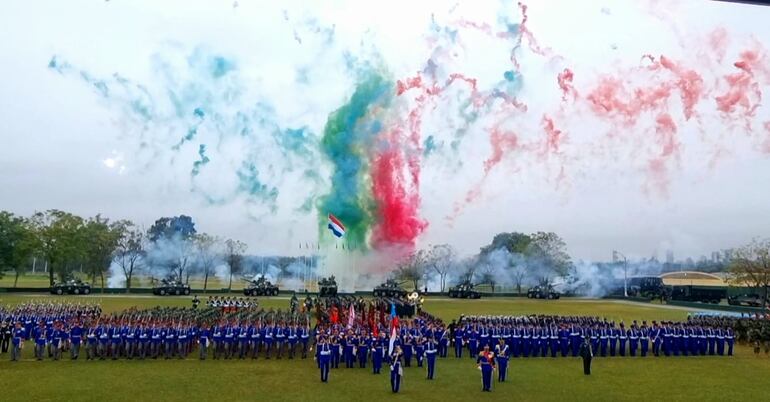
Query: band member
point(486, 363)
point(396, 371)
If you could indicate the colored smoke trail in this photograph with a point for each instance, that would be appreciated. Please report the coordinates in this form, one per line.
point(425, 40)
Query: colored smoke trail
point(743, 90)
point(665, 130)
point(196, 98)
point(349, 134)
point(554, 136)
point(565, 83)
point(395, 185)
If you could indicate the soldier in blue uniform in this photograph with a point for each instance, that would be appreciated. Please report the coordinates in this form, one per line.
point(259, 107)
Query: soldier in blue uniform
point(501, 354)
point(644, 339)
point(473, 342)
point(91, 340)
point(666, 329)
point(396, 371)
point(57, 341)
point(267, 339)
point(623, 336)
point(633, 339)
point(104, 341)
point(169, 341)
point(39, 335)
point(430, 356)
point(203, 342)
point(442, 337)
point(712, 340)
point(280, 339)
point(243, 341)
point(182, 339)
point(486, 363)
point(419, 350)
point(156, 337)
point(292, 339)
point(229, 340)
point(304, 338)
point(76, 337)
point(349, 353)
point(378, 353)
point(516, 334)
point(720, 336)
point(604, 339)
point(323, 354)
point(362, 353)
point(458, 335)
point(574, 338)
point(657, 338)
point(407, 350)
point(17, 342)
point(256, 340)
point(336, 350)
point(131, 341)
point(730, 339)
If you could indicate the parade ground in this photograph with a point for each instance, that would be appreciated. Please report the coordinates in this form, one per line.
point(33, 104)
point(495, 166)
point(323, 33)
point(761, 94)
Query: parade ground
point(708, 378)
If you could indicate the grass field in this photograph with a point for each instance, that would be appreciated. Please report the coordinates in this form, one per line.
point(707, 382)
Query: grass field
point(741, 377)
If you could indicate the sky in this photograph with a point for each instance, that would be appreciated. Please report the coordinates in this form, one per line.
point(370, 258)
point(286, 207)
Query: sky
point(633, 126)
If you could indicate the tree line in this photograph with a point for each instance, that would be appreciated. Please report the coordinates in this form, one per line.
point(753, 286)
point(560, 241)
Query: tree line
point(65, 243)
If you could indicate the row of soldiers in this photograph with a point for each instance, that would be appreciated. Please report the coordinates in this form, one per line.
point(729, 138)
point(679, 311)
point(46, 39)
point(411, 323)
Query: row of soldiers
point(169, 332)
point(541, 336)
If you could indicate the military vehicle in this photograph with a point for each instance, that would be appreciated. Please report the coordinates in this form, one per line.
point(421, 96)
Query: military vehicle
point(260, 287)
point(543, 292)
point(171, 286)
point(390, 288)
point(327, 287)
point(464, 291)
point(748, 300)
point(705, 294)
point(72, 287)
point(640, 286)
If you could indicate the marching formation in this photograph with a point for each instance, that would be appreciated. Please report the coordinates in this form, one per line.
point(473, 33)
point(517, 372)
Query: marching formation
point(542, 336)
point(351, 333)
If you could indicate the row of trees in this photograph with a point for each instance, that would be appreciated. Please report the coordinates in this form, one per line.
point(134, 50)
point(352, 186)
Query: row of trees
point(517, 259)
point(66, 243)
point(510, 258)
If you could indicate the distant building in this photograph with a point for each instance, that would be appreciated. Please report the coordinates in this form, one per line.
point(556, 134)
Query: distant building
point(669, 256)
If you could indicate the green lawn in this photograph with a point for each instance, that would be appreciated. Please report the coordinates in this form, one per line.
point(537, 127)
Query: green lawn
point(742, 377)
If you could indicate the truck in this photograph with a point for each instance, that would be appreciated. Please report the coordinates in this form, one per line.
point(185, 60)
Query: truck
point(327, 287)
point(390, 288)
point(170, 286)
point(703, 294)
point(463, 290)
point(543, 292)
point(260, 287)
point(72, 287)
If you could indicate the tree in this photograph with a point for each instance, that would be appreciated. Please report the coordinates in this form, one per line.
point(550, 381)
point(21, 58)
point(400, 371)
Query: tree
point(413, 268)
point(234, 250)
point(130, 251)
point(549, 250)
point(489, 275)
point(750, 265)
point(440, 259)
point(101, 239)
point(518, 275)
point(170, 227)
point(205, 247)
point(514, 242)
point(60, 237)
point(18, 243)
point(172, 244)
